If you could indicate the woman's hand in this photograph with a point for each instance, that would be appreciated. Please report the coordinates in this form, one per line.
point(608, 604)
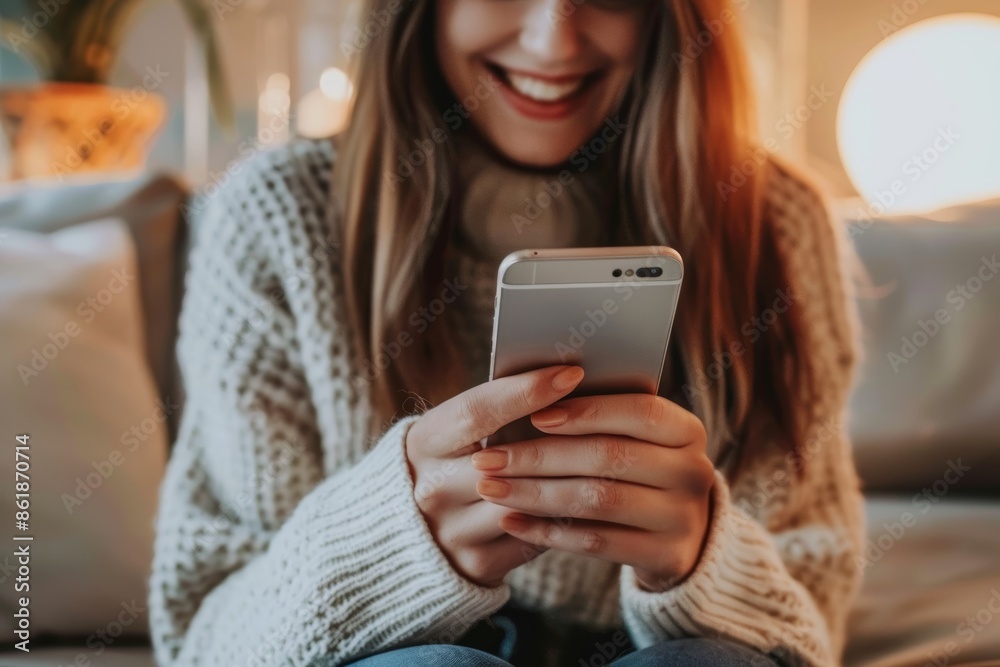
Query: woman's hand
point(622, 477)
point(438, 447)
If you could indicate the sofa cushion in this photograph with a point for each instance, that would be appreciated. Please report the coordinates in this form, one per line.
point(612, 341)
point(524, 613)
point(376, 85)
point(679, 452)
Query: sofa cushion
point(75, 381)
point(931, 591)
point(929, 384)
point(151, 207)
point(71, 657)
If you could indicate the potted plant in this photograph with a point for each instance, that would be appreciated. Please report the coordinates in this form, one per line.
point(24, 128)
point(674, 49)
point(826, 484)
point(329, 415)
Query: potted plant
point(74, 122)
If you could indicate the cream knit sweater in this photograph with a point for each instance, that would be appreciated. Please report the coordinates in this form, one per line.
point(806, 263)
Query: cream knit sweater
point(285, 533)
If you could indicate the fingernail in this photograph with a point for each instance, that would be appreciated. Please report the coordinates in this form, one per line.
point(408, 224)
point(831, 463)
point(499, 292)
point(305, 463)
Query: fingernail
point(493, 488)
point(567, 378)
point(515, 522)
point(550, 416)
point(491, 459)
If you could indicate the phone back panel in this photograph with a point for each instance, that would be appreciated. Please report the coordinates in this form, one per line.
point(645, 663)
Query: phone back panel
point(572, 310)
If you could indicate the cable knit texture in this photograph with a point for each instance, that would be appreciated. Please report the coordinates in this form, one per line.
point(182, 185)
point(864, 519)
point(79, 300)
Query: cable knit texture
point(286, 533)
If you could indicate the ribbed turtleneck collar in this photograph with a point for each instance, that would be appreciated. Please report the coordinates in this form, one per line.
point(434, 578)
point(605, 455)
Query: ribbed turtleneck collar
point(503, 207)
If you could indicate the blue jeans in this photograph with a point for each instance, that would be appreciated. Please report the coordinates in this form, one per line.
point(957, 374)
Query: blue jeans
point(525, 638)
point(677, 653)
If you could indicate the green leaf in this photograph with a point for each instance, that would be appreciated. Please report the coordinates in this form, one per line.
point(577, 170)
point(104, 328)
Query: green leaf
point(218, 83)
point(60, 48)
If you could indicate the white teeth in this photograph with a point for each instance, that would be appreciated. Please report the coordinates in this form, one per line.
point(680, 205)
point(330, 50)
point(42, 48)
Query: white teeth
point(542, 91)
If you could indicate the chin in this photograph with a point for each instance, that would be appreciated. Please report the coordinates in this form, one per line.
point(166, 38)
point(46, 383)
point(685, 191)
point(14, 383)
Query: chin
point(534, 152)
point(539, 157)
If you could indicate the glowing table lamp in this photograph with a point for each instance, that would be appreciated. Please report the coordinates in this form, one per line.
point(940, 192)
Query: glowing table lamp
point(326, 110)
point(919, 120)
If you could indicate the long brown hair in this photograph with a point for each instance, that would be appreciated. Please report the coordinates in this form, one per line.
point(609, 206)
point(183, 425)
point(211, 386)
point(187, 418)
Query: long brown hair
point(690, 120)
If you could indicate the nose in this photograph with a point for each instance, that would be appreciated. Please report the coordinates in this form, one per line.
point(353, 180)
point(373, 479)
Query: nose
point(550, 32)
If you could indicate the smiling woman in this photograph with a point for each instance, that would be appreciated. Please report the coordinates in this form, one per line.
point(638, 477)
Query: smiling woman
point(577, 74)
point(630, 515)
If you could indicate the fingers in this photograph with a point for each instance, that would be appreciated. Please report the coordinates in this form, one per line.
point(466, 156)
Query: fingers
point(446, 484)
point(471, 524)
point(489, 562)
point(584, 498)
point(479, 412)
point(517, 430)
point(602, 456)
point(618, 544)
point(640, 416)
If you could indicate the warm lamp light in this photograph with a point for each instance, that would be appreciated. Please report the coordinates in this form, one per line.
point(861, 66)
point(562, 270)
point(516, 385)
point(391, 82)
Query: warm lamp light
point(326, 110)
point(273, 106)
point(335, 84)
point(919, 120)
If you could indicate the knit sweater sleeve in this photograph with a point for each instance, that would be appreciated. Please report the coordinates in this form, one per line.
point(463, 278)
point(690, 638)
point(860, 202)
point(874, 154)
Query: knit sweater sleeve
point(267, 551)
point(779, 567)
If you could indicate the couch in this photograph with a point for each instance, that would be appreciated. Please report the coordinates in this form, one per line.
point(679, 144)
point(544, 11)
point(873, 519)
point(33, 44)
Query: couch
point(924, 420)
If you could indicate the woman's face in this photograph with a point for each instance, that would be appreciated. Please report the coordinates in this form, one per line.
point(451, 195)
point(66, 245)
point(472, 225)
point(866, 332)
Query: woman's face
point(539, 77)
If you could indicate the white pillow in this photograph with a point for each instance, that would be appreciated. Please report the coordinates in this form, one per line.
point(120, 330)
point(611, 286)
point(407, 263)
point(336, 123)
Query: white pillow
point(928, 388)
point(73, 377)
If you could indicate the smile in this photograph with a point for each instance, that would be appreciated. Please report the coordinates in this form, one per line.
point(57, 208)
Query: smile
point(541, 88)
point(543, 91)
point(542, 96)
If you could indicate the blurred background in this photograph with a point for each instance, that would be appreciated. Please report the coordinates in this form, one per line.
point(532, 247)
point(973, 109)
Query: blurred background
point(280, 72)
point(116, 116)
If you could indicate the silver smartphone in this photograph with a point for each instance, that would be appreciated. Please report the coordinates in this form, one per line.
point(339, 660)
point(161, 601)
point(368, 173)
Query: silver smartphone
point(609, 310)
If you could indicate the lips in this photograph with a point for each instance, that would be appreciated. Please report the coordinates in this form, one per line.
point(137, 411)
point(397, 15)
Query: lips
point(542, 96)
point(543, 91)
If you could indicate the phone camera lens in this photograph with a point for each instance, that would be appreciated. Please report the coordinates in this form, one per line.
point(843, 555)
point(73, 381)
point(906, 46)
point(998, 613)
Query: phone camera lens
point(617, 273)
point(655, 271)
point(642, 273)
